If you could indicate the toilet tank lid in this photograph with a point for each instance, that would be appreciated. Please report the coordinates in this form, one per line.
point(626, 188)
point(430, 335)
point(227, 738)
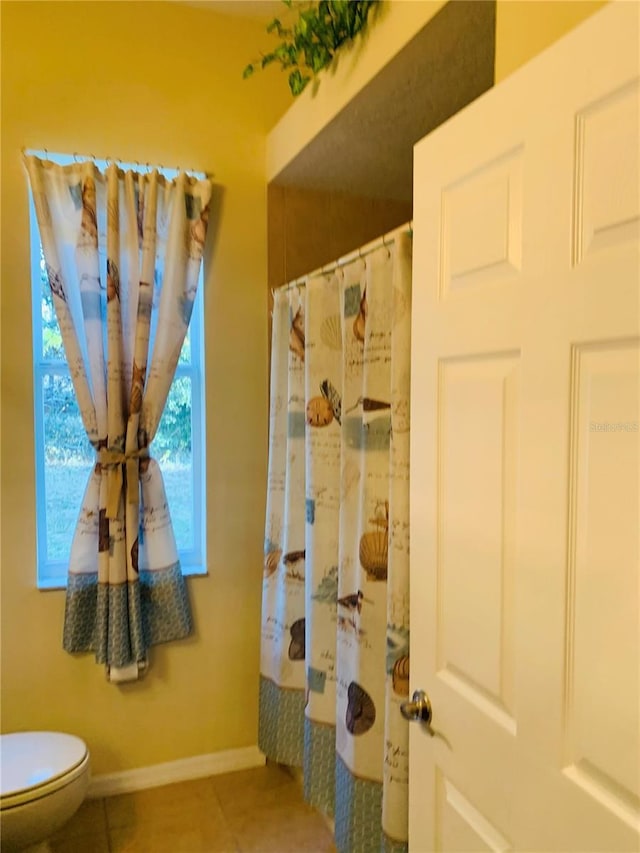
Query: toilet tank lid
point(30, 759)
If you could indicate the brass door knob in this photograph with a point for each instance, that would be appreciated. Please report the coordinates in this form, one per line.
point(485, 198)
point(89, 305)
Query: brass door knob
point(419, 709)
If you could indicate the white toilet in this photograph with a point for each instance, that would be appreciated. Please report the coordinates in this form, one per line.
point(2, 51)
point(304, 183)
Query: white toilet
point(44, 780)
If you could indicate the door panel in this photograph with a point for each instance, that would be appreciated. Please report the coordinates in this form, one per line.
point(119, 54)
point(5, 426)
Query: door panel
point(478, 434)
point(606, 171)
point(601, 658)
point(482, 225)
point(460, 826)
point(525, 457)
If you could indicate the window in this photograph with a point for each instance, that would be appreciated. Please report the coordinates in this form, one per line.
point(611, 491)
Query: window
point(64, 457)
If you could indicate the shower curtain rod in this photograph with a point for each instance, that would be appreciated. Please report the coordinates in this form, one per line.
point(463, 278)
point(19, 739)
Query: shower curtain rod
point(345, 260)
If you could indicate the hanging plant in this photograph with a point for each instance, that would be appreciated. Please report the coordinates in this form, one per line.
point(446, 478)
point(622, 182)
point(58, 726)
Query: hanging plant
point(314, 39)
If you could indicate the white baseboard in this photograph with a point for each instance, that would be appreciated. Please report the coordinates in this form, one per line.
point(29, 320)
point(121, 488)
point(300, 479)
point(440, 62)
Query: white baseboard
point(211, 764)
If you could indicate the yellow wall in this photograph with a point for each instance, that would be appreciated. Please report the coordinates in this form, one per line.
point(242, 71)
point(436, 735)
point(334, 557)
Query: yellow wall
point(160, 83)
point(526, 27)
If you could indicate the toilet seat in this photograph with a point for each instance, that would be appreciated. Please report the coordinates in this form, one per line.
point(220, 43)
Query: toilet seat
point(36, 764)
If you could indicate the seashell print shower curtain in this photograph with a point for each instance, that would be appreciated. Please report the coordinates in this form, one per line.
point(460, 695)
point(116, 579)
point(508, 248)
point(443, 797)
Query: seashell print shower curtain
point(335, 616)
point(121, 247)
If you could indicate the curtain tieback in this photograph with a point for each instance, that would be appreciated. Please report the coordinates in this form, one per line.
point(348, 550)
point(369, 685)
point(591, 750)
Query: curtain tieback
point(113, 462)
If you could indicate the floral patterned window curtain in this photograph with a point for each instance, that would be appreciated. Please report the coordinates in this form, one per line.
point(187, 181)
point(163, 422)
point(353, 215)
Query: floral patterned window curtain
point(335, 622)
point(125, 588)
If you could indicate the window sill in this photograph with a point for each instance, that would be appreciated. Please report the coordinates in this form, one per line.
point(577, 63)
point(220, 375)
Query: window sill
point(61, 584)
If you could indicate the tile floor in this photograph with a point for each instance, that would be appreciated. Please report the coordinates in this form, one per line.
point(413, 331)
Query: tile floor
point(251, 810)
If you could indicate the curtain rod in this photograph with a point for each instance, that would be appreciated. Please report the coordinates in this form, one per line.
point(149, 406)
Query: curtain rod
point(352, 257)
point(91, 158)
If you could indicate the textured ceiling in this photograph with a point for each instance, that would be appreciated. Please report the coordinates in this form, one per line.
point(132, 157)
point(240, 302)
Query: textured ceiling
point(367, 149)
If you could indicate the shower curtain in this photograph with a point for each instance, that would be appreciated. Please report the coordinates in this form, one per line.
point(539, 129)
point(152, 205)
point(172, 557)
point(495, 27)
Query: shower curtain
point(335, 618)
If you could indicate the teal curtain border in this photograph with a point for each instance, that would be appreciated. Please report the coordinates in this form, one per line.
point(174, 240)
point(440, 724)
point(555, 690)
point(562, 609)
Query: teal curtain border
point(119, 622)
point(281, 723)
point(320, 766)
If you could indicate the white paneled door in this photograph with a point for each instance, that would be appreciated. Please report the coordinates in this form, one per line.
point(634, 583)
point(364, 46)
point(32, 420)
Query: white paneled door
point(525, 458)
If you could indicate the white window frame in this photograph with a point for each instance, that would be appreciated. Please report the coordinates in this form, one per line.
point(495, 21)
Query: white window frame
point(52, 574)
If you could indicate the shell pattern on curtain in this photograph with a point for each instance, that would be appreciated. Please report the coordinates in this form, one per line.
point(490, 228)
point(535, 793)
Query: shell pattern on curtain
point(335, 622)
point(123, 253)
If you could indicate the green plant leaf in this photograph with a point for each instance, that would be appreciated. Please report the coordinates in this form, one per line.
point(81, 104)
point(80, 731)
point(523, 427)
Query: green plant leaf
point(320, 60)
point(313, 40)
point(293, 54)
point(276, 26)
point(297, 81)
